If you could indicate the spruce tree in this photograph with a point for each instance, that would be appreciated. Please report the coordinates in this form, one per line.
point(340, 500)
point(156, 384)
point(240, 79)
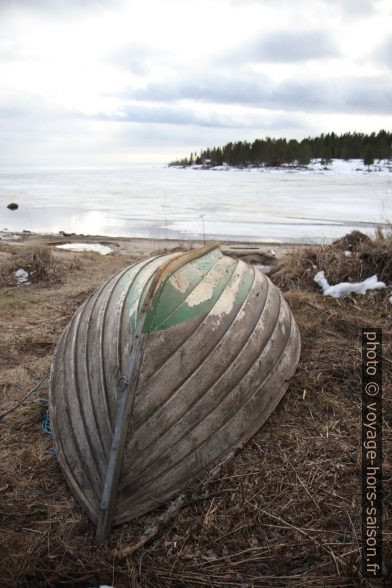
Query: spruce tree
point(368, 157)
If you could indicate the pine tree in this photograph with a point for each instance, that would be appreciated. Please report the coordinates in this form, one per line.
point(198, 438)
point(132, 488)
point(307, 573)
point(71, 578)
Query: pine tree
point(276, 152)
point(304, 154)
point(368, 157)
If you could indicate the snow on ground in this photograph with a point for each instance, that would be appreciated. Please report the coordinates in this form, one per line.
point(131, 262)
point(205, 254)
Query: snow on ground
point(335, 167)
point(266, 269)
point(97, 247)
point(22, 277)
point(346, 288)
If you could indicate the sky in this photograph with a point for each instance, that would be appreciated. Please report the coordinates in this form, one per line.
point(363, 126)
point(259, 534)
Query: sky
point(117, 82)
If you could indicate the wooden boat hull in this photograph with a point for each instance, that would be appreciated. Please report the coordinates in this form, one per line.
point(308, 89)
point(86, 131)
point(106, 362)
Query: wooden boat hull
point(214, 346)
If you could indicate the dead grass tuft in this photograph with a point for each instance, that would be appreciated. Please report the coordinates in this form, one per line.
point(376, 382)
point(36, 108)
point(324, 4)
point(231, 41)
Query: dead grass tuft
point(350, 259)
point(40, 264)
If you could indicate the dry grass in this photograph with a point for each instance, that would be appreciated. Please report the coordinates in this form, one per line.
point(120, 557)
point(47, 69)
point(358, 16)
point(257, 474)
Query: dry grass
point(40, 264)
point(284, 512)
point(367, 257)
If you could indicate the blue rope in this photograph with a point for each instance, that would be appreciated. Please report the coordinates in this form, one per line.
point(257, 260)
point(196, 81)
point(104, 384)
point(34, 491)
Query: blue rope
point(46, 424)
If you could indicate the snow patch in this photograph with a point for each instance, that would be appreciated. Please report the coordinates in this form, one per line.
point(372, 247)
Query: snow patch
point(22, 277)
point(316, 166)
point(346, 288)
point(97, 247)
point(264, 268)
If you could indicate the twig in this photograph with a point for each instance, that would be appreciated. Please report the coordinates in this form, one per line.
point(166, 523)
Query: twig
point(25, 397)
point(317, 307)
point(52, 320)
point(180, 502)
point(305, 488)
point(317, 543)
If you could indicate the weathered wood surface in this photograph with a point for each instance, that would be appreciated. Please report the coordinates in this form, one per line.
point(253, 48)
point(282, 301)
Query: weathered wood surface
point(221, 346)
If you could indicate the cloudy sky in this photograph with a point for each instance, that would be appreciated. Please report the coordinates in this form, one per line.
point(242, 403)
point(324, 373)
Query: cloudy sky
point(95, 82)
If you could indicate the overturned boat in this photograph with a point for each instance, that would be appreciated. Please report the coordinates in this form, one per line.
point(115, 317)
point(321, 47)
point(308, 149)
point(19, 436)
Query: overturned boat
point(167, 367)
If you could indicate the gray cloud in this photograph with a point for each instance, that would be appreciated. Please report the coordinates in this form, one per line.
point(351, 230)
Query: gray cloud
point(162, 135)
point(35, 115)
point(10, 52)
point(33, 133)
point(55, 8)
point(235, 87)
point(180, 115)
point(384, 53)
point(352, 7)
point(50, 4)
point(285, 47)
point(33, 111)
point(367, 95)
point(134, 57)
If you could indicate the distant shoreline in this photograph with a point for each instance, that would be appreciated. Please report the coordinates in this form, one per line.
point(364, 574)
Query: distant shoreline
point(275, 152)
point(316, 165)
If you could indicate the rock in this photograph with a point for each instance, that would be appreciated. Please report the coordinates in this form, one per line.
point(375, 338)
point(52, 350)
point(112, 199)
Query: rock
point(13, 206)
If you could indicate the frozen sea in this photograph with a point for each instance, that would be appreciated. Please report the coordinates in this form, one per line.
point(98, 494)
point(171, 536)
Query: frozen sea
point(291, 205)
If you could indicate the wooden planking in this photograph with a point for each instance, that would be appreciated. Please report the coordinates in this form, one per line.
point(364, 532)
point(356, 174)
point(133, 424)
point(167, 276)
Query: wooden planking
point(66, 422)
point(80, 399)
point(180, 364)
point(233, 433)
point(162, 429)
point(165, 343)
point(68, 458)
point(111, 315)
point(221, 401)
